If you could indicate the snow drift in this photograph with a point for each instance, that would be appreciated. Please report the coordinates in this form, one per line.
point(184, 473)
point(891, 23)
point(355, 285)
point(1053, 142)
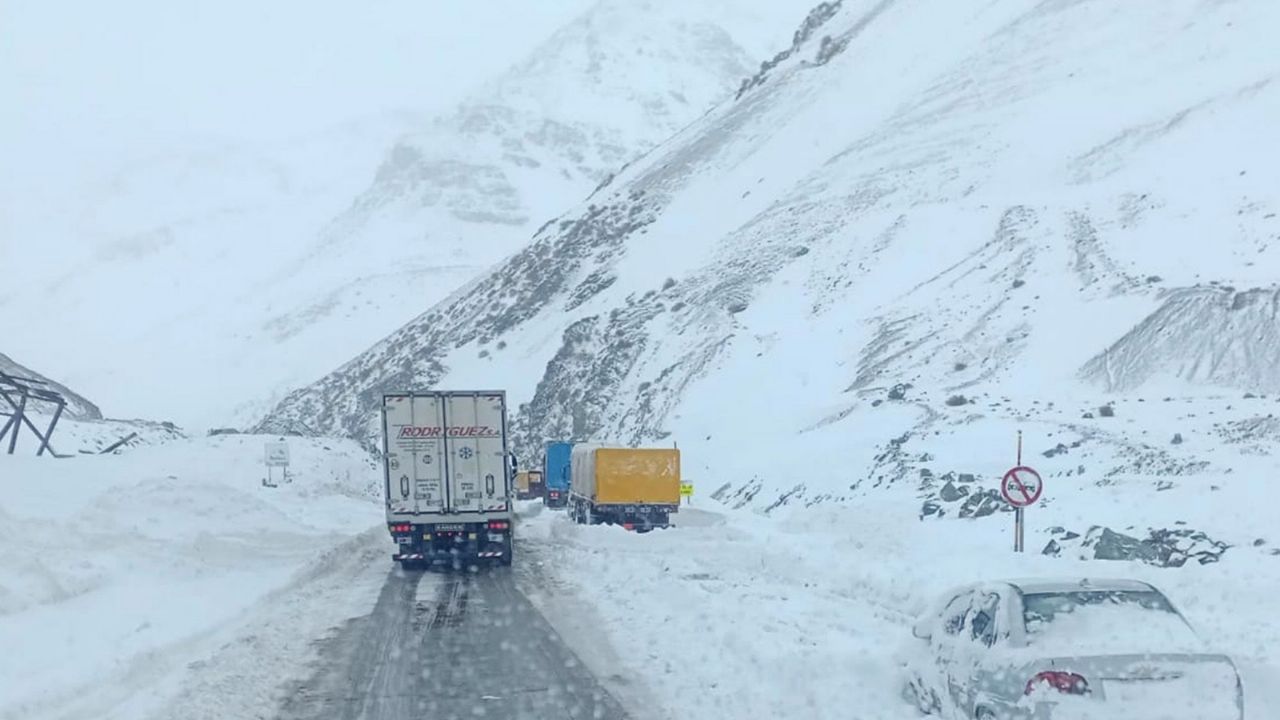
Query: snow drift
point(139, 564)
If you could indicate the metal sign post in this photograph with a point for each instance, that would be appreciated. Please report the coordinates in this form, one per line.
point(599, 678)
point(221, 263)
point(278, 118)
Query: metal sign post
point(1020, 487)
point(1019, 512)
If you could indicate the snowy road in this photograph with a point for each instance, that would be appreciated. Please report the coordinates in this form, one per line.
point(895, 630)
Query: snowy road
point(450, 645)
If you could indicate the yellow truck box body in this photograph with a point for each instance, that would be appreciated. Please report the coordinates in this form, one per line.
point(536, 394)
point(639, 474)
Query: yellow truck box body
point(637, 476)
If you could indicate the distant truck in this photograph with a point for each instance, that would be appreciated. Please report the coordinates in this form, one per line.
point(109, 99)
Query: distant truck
point(448, 479)
point(529, 485)
point(555, 472)
point(637, 488)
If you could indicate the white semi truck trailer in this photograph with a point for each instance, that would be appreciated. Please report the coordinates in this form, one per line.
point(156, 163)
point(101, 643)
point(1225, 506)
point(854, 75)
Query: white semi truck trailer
point(448, 477)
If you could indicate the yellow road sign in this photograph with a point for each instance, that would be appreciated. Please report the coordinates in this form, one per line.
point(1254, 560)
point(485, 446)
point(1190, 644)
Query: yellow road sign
point(686, 489)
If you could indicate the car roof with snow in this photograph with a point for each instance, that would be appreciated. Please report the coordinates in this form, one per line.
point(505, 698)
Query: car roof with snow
point(1058, 585)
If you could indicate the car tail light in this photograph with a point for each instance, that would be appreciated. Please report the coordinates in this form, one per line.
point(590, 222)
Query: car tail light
point(499, 524)
point(1064, 682)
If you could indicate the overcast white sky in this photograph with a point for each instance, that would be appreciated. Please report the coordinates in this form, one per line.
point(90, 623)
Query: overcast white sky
point(85, 82)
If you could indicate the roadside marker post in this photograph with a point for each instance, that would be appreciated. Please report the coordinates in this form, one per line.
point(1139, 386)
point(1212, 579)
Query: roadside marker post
point(1021, 487)
point(276, 455)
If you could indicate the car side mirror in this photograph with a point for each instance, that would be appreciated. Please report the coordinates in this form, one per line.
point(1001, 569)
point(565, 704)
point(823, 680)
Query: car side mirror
point(921, 630)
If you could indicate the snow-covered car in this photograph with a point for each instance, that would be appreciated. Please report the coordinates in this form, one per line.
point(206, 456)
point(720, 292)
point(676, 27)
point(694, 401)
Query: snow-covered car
point(1066, 650)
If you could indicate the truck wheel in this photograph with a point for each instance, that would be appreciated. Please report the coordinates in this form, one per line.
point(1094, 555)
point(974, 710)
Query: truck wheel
point(507, 555)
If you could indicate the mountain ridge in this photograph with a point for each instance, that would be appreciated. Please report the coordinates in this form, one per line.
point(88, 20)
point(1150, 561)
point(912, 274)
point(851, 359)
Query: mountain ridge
point(924, 238)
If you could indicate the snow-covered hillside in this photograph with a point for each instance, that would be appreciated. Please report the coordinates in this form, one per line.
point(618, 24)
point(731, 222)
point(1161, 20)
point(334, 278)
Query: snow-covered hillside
point(247, 270)
point(920, 228)
point(1011, 205)
point(77, 406)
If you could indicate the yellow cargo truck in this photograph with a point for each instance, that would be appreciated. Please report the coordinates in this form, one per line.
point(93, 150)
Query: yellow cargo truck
point(529, 484)
point(637, 488)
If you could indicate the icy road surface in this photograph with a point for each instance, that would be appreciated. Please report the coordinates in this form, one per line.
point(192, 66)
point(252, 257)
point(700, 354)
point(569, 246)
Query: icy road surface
point(450, 645)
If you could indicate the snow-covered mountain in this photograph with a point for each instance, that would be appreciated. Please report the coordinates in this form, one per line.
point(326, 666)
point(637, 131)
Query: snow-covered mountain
point(457, 197)
point(243, 271)
point(920, 227)
point(157, 264)
point(77, 406)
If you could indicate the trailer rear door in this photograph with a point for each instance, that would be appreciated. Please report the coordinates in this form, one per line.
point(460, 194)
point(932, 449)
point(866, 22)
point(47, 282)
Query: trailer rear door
point(414, 430)
point(476, 449)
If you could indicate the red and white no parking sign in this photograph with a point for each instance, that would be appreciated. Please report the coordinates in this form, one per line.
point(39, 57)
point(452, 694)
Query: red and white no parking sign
point(1021, 486)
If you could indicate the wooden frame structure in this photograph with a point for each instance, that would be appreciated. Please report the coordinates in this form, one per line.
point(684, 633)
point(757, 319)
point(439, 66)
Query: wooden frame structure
point(15, 393)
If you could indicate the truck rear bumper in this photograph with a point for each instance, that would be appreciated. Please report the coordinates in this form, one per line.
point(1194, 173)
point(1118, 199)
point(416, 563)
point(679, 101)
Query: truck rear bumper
point(444, 556)
point(631, 516)
point(452, 542)
point(636, 509)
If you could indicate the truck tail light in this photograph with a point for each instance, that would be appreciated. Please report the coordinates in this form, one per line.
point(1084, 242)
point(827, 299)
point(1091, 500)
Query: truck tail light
point(404, 528)
point(1068, 683)
point(499, 524)
point(628, 526)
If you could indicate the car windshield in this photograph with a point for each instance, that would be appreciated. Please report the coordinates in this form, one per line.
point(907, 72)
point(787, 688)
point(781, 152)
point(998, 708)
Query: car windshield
point(1120, 620)
point(629, 359)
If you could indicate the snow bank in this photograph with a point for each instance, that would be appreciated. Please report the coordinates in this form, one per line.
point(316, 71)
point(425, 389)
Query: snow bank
point(138, 564)
point(736, 614)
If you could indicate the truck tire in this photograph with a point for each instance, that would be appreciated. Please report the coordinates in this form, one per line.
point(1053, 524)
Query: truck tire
point(508, 554)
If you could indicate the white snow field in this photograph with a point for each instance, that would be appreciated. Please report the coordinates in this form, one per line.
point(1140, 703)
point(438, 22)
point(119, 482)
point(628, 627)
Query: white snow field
point(129, 580)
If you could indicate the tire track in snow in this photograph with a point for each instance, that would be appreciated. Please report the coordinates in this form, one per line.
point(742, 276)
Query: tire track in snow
point(450, 645)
